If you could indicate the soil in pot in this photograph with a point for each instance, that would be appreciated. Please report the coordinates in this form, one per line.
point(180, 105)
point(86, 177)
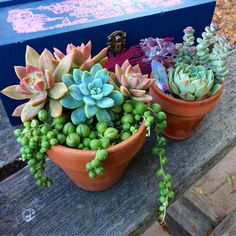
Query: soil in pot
point(73, 162)
point(183, 117)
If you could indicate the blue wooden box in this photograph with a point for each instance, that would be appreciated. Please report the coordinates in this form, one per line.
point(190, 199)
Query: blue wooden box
point(55, 23)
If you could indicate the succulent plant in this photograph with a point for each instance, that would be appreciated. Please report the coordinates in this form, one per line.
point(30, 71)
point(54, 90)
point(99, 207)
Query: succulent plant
point(131, 82)
point(38, 82)
point(158, 49)
point(90, 95)
point(185, 52)
point(191, 82)
point(218, 57)
point(211, 51)
point(82, 58)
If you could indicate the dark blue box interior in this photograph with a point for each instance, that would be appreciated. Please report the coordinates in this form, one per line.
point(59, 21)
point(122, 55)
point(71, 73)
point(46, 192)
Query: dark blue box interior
point(56, 23)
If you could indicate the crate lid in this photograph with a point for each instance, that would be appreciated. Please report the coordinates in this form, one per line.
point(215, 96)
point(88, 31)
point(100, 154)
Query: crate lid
point(22, 20)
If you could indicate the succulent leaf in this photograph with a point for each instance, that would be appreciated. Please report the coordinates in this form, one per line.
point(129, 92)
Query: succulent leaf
point(87, 78)
point(29, 111)
point(20, 72)
point(215, 88)
point(39, 86)
point(137, 92)
point(90, 110)
point(117, 97)
point(187, 96)
point(68, 79)
point(45, 61)
point(145, 98)
point(105, 102)
point(95, 69)
point(63, 67)
point(18, 110)
point(78, 116)
point(201, 92)
point(107, 89)
point(103, 116)
point(125, 91)
point(12, 92)
point(186, 86)
point(84, 90)
point(77, 76)
point(58, 54)
point(75, 92)
point(89, 101)
point(70, 102)
point(97, 83)
point(38, 99)
point(55, 107)
point(103, 75)
point(31, 57)
point(49, 79)
point(58, 90)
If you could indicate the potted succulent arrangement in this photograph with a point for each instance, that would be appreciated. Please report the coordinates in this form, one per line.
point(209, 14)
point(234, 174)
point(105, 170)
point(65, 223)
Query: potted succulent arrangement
point(193, 82)
point(89, 121)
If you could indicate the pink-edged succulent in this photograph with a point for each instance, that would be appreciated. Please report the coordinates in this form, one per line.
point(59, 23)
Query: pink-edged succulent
point(40, 79)
point(82, 55)
point(131, 82)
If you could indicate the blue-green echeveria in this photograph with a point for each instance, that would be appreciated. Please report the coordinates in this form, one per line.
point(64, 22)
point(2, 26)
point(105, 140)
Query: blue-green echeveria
point(191, 82)
point(89, 94)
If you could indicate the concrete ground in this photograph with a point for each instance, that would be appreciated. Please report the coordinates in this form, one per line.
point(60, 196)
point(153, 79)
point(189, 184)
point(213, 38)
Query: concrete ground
point(218, 185)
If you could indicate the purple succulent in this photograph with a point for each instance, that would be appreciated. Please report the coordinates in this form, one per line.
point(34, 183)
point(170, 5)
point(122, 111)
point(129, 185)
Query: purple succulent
point(158, 49)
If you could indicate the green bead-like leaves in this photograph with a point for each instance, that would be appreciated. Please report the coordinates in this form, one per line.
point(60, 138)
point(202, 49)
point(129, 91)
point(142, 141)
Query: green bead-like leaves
point(90, 94)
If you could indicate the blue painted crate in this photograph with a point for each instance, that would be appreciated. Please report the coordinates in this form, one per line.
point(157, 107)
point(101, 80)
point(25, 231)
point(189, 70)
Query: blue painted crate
point(55, 23)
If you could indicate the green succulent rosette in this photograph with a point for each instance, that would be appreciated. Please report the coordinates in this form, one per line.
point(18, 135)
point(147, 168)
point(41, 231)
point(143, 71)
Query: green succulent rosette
point(191, 82)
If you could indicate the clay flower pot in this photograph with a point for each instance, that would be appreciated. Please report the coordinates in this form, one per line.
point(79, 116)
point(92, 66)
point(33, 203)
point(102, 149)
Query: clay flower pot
point(73, 161)
point(183, 117)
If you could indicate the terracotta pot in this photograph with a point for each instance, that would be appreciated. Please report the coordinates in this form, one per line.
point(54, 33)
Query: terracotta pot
point(183, 117)
point(73, 162)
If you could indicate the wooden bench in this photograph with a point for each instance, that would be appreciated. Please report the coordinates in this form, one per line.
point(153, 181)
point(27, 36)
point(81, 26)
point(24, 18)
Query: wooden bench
point(131, 205)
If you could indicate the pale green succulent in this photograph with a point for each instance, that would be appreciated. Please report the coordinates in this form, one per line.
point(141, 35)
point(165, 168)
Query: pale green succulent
point(191, 82)
point(211, 51)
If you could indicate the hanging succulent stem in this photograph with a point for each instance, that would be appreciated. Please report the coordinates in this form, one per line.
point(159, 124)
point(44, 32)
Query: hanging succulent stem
point(165, 183)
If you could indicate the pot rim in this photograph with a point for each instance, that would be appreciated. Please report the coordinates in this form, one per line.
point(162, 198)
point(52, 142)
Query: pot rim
point(112, 148)
point(183, 102)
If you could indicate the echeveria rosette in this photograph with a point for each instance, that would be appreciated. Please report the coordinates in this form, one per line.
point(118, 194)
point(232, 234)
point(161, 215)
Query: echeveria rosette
point(159, 49)
point(37, 83)
point(131, 82)
point(90, 95)
point(191, 82)
point(82, 59)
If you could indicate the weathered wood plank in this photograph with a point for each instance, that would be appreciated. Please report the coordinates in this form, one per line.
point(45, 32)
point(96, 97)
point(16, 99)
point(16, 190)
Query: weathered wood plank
point(205, 205)
point(193, 214)
point(131, 205)
point(227, 227)
point(9, 149)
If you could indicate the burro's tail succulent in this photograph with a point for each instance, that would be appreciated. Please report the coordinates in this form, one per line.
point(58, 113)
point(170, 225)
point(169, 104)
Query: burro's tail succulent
point(82, 59)
point(191, 82)
point(131, 82)
point(90, 94)
point(38, 83)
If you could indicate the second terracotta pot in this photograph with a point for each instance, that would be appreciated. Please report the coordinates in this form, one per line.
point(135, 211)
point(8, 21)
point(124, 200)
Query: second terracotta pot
point(183, 117)
point(73, 161)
